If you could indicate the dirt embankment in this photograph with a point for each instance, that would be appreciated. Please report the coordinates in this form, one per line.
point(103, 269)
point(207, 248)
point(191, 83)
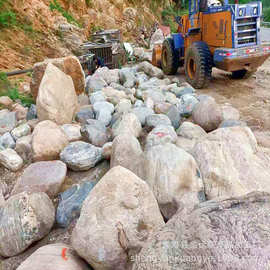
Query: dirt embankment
point(42, 30)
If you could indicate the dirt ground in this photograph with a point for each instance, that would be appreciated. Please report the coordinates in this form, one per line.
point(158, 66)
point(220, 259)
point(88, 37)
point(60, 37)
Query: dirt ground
point(250, 96)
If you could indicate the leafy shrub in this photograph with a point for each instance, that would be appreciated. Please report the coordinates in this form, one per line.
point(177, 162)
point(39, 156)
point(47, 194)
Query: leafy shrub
point(54, 5)
point(11, 90)
point(7, 17)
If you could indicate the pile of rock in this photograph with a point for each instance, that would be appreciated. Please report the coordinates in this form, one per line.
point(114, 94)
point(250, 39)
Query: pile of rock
point(164, 152)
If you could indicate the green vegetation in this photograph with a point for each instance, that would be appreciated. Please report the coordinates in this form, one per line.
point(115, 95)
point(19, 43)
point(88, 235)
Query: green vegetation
point(88, 3)
point(11, 90)
point(7, 16)
point(54, 5)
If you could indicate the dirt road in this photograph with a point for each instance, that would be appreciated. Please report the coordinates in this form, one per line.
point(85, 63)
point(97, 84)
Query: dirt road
point(250, 96)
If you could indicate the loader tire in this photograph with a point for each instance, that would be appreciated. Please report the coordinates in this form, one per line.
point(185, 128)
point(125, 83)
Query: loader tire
point(243, 73)
point(198, 65)
point(169, 57)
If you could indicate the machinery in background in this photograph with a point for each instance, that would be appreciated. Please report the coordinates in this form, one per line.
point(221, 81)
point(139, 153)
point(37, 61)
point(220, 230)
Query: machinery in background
point(214, 34)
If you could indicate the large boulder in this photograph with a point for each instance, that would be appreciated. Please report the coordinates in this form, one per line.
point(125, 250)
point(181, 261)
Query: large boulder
point(72, 131)
point(127, 77)
point(51, 257)
point(57, 100)
point(150, 70)
point(224, 234)
point(128, 123)
point(81, 156)
point(95, 132)
point(86, 112)
point(44, 176)
point(109, 75)
point(207, 114)
point(187, 104)
point(231, 163)
point(24, 148)
point(69, 65)
point(126, 152)
point(141, 113)
point(48, 141)
point(117, 217)
point(95, 83)
point(25, 218)
point(155, 120)
point(7, 141)
point(174, 177)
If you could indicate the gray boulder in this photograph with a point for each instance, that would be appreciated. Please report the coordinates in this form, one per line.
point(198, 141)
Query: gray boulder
point(155, 120)
point(142, 113)
point(81, 156)
point(150, 70)
point(191, 131)
point(127, 77)
point(174, 116)
point(20, 131)
point(8, 121)
point(207, 114)
point(72, 131)
point(32, 112)
point(70, 203)
point(97, 97)
point(103, 105)
point(7, 141)
point(85, 113)
point(95, 83)
point(25, 218)
point(95, 132)
point(186, 105)
point(24, 148)
point(104, 116)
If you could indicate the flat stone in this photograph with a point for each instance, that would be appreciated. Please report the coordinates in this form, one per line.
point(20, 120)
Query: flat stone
point(44, 176)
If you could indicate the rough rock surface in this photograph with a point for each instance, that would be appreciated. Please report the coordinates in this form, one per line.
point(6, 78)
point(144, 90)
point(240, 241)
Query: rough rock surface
point(72, 131)
point(25, 218)
point(126, 152)
point(207, 114)
point(155, 120)
point(44, 176)
point(70, 203)
point(20, 131)
point(7, 141)
point(24, 148)
point(117, 218)
point(161, 135)
point(231, 163)
point(10, 159)
point(57, 100)
point(191, 131)
point(48, 141)
point(150, 70)
point(50, 257)
point(69, 65)
point(129, 124)
point(225, 234)
point(174, 177)
point(81, 156)
point(8, 121)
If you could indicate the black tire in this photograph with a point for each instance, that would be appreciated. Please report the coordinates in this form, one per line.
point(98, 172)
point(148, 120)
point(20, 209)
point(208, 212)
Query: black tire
point(243, 73)
point(198, 65)
point(169, 57)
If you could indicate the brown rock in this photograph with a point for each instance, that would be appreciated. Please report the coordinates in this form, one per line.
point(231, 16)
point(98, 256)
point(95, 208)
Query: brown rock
point(20, 111)
point(207, 114)
point(48, 141)
point(69, 65)
point(57, 100)
point(231, 163)
point(44, 176)
point(117, 217)
point(5, 102)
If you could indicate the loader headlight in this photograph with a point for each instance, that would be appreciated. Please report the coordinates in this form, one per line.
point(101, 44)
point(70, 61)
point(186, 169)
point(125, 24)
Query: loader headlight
point(255, 11)
point(241, 12)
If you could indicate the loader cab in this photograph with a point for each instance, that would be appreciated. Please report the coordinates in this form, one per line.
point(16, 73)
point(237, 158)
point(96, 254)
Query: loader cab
point(226, 25)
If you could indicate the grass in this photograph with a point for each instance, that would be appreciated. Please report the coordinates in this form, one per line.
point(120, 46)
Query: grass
point(11, 90)
point(7, 16)
point(54, 5)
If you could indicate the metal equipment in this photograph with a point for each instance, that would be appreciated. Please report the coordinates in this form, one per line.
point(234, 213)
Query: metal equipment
point(215, 34)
